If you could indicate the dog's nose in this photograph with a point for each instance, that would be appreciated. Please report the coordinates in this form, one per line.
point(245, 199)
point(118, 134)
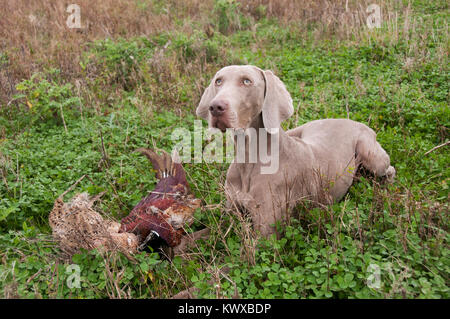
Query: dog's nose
point(218, 108)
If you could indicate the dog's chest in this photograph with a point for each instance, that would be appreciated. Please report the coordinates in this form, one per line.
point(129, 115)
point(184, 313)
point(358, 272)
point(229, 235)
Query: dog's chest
point(240, 185)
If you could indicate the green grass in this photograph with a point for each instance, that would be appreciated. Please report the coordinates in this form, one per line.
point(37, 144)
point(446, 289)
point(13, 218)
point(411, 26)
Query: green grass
point(326, 253)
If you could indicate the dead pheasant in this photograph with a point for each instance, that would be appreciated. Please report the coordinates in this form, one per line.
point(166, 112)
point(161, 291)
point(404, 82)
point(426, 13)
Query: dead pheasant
point(164, 212)
point(76, 225)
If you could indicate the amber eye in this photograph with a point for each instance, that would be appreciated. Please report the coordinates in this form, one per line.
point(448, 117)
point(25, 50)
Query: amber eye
point(219, 81)
point(246, 81)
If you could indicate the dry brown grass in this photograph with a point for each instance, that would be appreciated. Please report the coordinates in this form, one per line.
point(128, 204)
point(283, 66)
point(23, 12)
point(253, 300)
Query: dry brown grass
point(34, 37)
point(34, 34)
point(344, 18)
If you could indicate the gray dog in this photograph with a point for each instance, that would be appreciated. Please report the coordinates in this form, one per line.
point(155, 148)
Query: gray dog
point(316, 161)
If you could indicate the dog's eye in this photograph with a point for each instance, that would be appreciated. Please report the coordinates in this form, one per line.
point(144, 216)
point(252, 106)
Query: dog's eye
point(218, 81)
point(246, 81)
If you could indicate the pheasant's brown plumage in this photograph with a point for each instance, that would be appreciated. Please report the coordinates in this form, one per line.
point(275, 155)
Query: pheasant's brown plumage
point(168, 207)
point(77, 225)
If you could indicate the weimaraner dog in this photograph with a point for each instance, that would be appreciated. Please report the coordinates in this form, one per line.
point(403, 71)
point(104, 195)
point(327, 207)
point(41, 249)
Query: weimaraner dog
point(316, 161)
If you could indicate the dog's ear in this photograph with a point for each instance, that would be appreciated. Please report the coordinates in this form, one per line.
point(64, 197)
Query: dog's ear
point(277, 105)
point(203, 106)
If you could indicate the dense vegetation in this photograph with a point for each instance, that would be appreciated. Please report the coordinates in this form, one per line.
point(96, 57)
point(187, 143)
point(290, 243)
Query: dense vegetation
point(78, 102)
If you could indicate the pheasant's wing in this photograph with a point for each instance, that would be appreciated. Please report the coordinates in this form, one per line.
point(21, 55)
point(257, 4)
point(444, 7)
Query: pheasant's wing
point(162, 211)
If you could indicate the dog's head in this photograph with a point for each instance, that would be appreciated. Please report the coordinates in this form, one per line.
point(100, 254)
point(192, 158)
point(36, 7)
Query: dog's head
point(237, 95)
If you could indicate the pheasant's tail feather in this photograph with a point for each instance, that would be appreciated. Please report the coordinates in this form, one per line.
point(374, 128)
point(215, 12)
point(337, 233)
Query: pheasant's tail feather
point(164, 164)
